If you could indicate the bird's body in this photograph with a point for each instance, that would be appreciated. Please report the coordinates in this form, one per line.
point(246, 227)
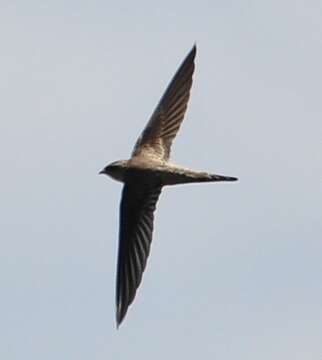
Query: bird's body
point(163, 172)
point(144, 175)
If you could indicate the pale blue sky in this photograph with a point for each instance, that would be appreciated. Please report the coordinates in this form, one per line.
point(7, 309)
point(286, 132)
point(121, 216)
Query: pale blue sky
point(235, 269)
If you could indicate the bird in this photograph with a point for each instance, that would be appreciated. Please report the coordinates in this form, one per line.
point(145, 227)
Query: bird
point(144, 175)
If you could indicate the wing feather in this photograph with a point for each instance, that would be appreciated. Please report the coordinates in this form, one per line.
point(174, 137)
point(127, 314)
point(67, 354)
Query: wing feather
point(136, 226)
point(156, 139)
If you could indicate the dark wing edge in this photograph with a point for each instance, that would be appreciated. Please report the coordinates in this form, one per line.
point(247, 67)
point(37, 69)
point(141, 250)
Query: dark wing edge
point(169, 113)
point(136, 226)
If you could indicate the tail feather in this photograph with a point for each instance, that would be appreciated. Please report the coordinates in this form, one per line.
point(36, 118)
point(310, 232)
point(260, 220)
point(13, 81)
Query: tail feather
point(183, 176)
point(214, 177)
point(205, 177)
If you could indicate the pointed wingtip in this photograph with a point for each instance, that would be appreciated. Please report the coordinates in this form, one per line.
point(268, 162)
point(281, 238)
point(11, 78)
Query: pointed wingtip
point(189, 59)
point(120, 315)
point(193, 51)
point(191, 55)
point(118, 321)
point(118, 318)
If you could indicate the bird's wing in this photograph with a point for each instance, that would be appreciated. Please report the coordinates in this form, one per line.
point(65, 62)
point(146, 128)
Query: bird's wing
point(136, 226)
point(157, 137)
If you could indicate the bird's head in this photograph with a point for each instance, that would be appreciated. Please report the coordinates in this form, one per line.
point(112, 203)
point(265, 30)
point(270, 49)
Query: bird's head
point(115, 170)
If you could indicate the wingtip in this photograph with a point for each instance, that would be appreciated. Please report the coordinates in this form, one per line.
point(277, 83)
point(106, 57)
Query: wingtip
point(190, 58)
point(118, 318)
point(193, 51)
point(120, 315)
point(118, 321)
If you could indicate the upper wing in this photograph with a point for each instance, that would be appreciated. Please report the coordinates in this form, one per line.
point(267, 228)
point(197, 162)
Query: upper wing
point(136, 226)
point(164, 123)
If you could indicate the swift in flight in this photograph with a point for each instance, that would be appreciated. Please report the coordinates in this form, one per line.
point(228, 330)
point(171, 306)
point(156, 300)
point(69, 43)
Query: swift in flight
point(144, 175)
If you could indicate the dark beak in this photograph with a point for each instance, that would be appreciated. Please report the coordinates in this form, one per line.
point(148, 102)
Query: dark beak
point(101, 172)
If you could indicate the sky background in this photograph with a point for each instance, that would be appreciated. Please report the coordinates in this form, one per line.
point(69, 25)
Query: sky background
point(235, 269)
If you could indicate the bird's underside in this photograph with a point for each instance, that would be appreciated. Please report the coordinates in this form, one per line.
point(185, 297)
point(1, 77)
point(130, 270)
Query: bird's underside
point(143, 176)
point(166, 173)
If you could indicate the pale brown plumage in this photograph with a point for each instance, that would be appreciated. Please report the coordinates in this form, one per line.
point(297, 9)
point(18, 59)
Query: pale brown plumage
point(144, 175)
point(165, 122)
